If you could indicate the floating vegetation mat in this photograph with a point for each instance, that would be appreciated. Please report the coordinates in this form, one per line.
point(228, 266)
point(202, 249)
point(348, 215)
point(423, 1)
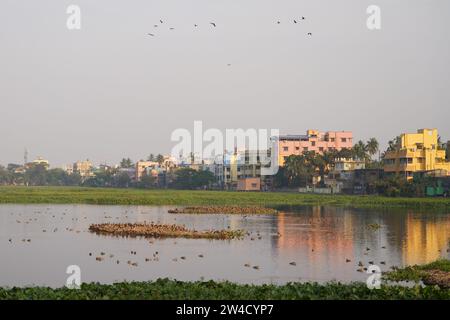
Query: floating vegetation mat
point(224, 210)
point(161, 231)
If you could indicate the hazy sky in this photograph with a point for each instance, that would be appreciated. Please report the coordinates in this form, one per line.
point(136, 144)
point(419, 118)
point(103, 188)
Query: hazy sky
point(109, 90)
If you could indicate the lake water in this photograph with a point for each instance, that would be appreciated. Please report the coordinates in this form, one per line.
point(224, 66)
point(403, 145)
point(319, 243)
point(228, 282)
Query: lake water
point(318, 239)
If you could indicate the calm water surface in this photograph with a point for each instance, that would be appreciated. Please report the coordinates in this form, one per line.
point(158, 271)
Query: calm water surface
point(318, 239)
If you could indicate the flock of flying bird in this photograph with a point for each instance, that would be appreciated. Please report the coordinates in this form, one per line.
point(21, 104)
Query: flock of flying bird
point(214, 25)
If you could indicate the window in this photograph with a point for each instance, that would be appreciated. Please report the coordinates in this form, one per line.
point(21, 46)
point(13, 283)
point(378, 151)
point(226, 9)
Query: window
point(285, 148)
point(313, 143)
point(305, 148)
point(254, 185)
point(343, 139)
point(320, 148)
point(333, 139)
point(297, 148)
point(406, 160)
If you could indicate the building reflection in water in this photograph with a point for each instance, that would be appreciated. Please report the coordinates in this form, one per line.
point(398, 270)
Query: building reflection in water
point(326, 236)
point(426, 238)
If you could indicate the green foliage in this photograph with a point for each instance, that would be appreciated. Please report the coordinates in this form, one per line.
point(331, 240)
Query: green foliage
point(165, 289)
point(126, 163)
point(187, 178)
point(417, 272)
point(147, 181)
point(10, 194)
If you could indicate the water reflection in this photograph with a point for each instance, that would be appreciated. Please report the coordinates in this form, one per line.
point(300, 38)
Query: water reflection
point(326, 243)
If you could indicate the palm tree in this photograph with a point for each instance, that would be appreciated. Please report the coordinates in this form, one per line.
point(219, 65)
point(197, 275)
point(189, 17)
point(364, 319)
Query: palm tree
point(372, 146)
point(360, 150)
point(394, 144)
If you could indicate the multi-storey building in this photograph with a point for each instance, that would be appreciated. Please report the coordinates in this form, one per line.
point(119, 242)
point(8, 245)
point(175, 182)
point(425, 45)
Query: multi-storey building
point(83, 168)
point(417, 152)
point(314, 140)
point(245, 165)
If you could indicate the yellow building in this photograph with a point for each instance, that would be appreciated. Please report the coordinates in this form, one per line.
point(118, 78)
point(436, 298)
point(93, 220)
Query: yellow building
point(417, 152)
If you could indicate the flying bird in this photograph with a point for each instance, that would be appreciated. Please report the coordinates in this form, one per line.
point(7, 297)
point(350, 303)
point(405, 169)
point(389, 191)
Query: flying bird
point(309, 34)
point(172, 28)
point(303, 18)
point(151, 34)
point(278, 22)
point(195, 25)
point(161, 21)
point(295, 21)
point(214, 25)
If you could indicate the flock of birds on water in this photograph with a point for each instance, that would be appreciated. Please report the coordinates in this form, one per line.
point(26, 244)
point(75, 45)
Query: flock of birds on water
point(155, 256)
point(214, 25)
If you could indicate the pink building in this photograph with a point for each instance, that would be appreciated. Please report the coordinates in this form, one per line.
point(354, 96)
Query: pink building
point(314, 140)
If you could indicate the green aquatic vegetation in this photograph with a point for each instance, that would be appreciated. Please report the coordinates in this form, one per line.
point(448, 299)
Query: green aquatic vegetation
point(276, 200)
point(434, 273)
point(172, 289)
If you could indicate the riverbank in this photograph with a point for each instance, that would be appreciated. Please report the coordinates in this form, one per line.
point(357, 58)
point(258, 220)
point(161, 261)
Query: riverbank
point(69, 195)
point(165, 289)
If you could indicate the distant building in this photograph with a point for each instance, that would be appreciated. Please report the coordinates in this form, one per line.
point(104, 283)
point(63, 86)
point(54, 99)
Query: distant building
point(143, 167)
point(41, 161)
point(314, 140)
point(83, 168)
point(344, 164)
point(249, 184)
point(68, 169)
point(243, 165)
point(417, 152)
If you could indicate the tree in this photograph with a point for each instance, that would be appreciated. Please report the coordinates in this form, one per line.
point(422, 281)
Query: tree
point(394, 144)
point(57, 177)
point(160, 159)
point(147, 181)
point(345, 153)
point(36, 175)
point(187, 178)
point(6, 177)
point(122, 180)
point(151, 157)
point(360, 151)
point(299, 169)
point(372, 146)
point(126, 163)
